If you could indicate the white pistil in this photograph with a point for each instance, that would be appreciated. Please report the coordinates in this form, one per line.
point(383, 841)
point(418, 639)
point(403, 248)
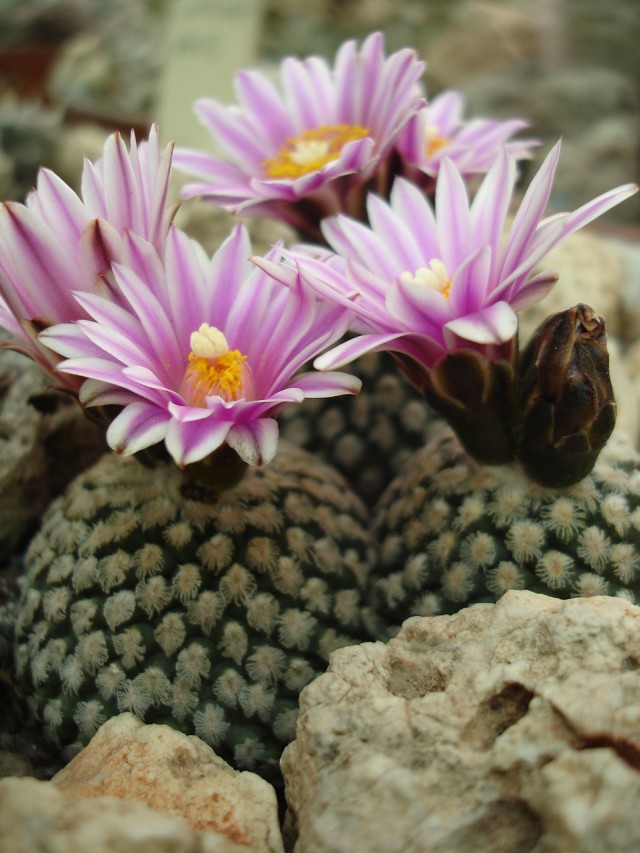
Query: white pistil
point(309, 151)
point(208, 342)
point(434, 275)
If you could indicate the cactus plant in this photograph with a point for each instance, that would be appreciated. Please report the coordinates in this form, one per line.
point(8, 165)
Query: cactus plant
point(453, 532)
point(210, 617)
point(369, 438)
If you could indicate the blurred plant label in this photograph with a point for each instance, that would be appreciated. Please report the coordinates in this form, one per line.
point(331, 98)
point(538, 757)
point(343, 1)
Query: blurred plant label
point(206, 42)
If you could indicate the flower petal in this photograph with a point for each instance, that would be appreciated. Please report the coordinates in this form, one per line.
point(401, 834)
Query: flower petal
point(494, 324)
point(327, 384)
point(191, 441)
point(255, 443)
point(138, 425)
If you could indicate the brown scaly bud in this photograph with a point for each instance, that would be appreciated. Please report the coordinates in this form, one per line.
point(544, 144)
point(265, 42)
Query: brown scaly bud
point(568, 406)
point(476, 391)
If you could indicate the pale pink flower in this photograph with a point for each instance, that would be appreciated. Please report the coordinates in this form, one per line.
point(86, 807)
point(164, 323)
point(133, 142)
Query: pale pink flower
point(57, 243)
point(440, 131)
point(199, 352)
point(426, 279)
point(302, 153)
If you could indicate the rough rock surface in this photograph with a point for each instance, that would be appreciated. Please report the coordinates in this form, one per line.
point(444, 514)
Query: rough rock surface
point(589, 270)
point(45, 440)
point(511, 727)
point(150, 788)
point(36, 817)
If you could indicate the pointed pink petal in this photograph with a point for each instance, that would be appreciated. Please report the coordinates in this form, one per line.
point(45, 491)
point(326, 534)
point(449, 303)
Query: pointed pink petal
point(534, 290)
point(259, 98)
point(231, 131)
point(452, 211)
point(348, 351)
point(96, 393)
point(327, 384)
point(255, 443)
point(59, 208)
point(390, 227)
point(529, 214)
point(495, 324)
point(300, 99)
point(491, 204)
point(190, 441)
point(138, 425)
point(445, 112)
point(412, 206)
point(418, 307)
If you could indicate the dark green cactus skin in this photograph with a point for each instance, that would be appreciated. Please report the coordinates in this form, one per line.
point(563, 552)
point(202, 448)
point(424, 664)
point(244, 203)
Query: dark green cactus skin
point(210, 617)
point(453, 532)
point(368, 438)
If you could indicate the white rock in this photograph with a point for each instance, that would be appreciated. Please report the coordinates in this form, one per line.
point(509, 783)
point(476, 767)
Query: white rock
point(626, 388)
point(589, 271)
point(45, 440)
point(141, 789)
point(511, 727)
point(36, 817)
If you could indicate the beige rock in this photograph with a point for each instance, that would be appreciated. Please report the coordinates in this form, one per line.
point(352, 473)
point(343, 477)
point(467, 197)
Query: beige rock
point(45, 440)
point(626, 388)
point(36, 817)
point(632, 365)
point(177, 775)
point(589, 271)
point(511, 727)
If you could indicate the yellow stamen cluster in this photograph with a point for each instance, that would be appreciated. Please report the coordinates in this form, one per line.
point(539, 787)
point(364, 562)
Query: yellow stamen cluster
point(312, 149)
point(214, 369)
point(434, 275)
point(434, 142)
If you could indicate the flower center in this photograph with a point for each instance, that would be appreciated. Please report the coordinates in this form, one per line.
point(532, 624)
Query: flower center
point(214, 369)
point(434, 142)
point(434, 275)
point(312, 149)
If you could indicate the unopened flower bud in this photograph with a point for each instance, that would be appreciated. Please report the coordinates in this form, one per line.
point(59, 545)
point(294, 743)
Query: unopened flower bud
point(568, 405)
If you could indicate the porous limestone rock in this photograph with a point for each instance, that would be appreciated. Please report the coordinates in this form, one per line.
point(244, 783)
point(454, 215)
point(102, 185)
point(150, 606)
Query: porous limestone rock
point(141, 788)
point(511, 727)
point(36, 817)
point(45, 440)
point(589, 270)
point(176, 774)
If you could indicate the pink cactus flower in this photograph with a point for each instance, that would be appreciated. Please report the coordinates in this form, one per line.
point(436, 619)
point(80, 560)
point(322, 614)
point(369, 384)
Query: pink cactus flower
point(200, 352)
point(304, 153)
point(424, 280)
point(58, 243)
point(439, 131)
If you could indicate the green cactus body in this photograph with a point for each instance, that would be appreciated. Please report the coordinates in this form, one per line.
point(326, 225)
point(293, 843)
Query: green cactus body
point(453, 533)
point(367, 438)
point(210, 617)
